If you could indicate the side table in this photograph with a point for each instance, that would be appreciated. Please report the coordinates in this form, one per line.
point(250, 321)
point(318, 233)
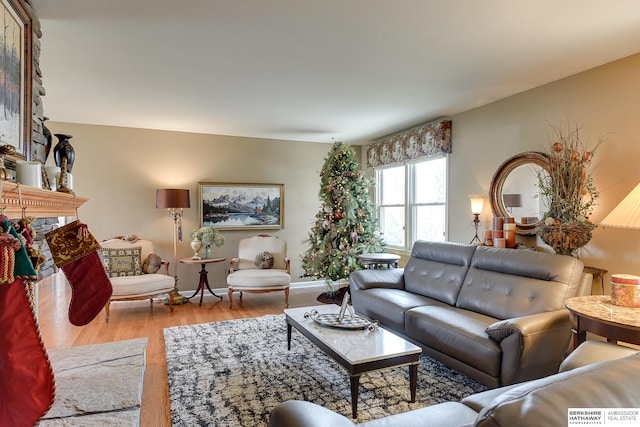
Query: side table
point(376, 259)
point(596, 314)
point(204, 281)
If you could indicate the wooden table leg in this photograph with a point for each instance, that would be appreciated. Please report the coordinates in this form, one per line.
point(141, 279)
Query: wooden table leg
point(413, 381)
point(355, 385)
point(288, 336)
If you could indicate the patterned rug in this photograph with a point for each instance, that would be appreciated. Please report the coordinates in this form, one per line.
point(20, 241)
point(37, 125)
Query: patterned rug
point(232, 373)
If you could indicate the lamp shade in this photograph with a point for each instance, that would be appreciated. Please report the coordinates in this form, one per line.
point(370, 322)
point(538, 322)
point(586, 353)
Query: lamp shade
point(627, 213)
point(477, 203)
point(512, 200)
point(172, 198)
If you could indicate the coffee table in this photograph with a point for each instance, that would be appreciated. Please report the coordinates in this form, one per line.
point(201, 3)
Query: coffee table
point(358, 351)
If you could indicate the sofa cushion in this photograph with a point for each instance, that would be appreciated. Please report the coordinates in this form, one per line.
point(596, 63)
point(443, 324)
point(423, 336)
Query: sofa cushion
point(457, 333)
point(437, 269)
point(258, 278)
point(122, 261)
point(388, 306)
point(545, 402)
point(507, 283)
point(592, 351)
point(141, 285)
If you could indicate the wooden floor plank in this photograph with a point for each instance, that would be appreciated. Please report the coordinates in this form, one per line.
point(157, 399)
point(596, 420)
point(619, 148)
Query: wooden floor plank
point(137, 319)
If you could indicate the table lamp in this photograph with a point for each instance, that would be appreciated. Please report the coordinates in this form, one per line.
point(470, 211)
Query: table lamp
point(627, 213)
point(477, 203)
point(174, 200)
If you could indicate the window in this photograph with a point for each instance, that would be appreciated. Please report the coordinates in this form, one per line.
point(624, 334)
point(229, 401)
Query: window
point(412, 202)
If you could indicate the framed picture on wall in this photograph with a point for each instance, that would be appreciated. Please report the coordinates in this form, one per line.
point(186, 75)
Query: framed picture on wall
point(241, 206)
point(16, 87)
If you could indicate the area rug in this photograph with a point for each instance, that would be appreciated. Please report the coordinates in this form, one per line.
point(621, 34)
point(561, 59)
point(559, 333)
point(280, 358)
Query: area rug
point(232, 373)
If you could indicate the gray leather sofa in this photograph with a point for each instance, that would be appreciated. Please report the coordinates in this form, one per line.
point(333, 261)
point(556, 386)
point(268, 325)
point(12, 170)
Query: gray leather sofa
point(497, 315)
point(596, 375)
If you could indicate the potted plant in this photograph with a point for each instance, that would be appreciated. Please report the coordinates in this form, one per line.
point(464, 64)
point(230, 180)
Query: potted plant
point(209, 236)
point(568, 190)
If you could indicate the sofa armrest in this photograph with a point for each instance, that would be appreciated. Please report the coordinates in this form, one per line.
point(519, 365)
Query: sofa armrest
point(296, 413)
point(533, 346)
point(392, 278)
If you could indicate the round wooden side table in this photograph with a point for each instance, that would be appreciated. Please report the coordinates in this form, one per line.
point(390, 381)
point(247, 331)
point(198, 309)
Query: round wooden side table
point(596, 314)
point(204, 281)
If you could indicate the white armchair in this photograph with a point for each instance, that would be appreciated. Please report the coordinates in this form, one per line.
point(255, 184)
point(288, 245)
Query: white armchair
point(124, 262)
point(247, 273)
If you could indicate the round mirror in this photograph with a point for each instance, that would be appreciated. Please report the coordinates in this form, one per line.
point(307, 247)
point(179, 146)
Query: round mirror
point(514, 190)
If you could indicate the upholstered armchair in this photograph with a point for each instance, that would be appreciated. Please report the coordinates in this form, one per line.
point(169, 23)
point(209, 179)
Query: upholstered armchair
point(261, 266)
point(135, 271)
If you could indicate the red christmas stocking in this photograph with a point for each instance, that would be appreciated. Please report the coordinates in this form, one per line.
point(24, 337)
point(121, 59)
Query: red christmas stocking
point(74, 250)
point(26, 378)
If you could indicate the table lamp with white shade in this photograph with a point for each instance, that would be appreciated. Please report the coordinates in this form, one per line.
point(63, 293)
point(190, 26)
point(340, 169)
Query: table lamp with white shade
point(624, 288)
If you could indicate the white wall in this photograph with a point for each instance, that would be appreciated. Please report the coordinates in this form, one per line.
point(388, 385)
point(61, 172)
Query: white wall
point(119, 170)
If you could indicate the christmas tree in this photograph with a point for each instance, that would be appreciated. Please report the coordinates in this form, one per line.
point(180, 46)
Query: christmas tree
point(346, 225)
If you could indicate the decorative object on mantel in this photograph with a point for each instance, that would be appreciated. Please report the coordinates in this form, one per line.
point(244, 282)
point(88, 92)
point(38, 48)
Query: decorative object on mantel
point(64, 156)
point(48, 139)
point(64, 150)
point(569, 191)
point(5, 174)
point(208, 237)
point(174, 200)
point(420, 141)
point(29, 173)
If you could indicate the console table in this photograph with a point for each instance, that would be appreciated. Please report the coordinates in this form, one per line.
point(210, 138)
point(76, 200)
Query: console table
point(596, 314)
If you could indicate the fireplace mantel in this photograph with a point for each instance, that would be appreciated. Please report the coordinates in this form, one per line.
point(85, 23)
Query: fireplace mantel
point(37, 202)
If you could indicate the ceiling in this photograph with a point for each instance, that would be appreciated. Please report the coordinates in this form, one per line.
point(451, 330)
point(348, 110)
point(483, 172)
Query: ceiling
point(313, 70)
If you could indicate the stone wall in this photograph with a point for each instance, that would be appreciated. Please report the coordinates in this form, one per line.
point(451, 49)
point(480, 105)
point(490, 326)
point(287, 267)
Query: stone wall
point(38, 139)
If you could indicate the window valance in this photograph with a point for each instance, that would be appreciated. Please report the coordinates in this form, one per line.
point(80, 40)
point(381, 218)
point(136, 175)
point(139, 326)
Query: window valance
point(421, 141)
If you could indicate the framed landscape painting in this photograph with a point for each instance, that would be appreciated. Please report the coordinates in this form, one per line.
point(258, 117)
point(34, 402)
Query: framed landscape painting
point(241, 206)
point(16, 87)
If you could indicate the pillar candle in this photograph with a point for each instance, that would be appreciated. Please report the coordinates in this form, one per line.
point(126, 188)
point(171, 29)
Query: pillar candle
point(510, 234)
point(499, 242)
point(498, 222)
point(498, 233)
point(29, 173)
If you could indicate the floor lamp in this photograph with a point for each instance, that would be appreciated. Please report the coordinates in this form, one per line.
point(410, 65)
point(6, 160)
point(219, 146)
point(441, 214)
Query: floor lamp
point(174, 200)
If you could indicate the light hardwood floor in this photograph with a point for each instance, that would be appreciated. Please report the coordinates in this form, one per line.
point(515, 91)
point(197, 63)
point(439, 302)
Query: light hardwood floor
point(139, 319)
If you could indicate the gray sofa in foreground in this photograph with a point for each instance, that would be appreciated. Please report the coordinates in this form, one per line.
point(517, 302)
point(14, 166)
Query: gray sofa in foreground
point(596, 375)
point(496, 315)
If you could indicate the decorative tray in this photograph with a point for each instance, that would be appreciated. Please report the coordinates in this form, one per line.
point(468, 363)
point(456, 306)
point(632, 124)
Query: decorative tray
point(332, 320)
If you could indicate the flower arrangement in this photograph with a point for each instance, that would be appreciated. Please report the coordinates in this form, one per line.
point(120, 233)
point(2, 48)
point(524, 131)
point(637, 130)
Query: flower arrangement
point(208, 235)
point(568, 190)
